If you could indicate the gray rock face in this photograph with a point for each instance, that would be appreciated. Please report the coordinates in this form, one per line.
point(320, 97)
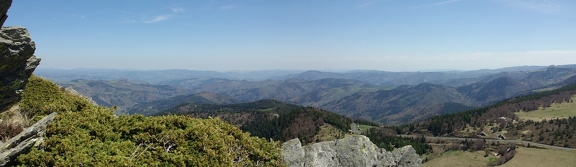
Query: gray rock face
point(4, 6)
point(354, 151)
point(23, 142)
point(17, 60)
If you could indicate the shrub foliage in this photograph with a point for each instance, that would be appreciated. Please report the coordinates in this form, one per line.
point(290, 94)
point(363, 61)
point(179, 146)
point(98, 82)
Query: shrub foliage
point(88, 135)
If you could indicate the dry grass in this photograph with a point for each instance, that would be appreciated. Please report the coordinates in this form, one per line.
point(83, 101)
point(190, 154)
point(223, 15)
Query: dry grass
point(526, 157)
point(328, 132)
point(12, 122)
point(459, 159)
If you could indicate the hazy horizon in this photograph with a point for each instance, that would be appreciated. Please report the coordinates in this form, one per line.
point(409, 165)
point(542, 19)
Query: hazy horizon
point(290, 70)
point(299, 35)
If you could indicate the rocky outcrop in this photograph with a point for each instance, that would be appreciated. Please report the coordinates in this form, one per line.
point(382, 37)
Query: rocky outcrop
point(355, 151)
point(4, 6)
point(17, 60)
point(23, 142)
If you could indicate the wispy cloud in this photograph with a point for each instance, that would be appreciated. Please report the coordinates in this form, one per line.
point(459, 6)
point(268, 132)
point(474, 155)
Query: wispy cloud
point(444, 2)
point(178, 10)
point(158, 18)
point(366, 4)
point(155, 15)
point(542, 6)
point(78, 16)
point(228, 7)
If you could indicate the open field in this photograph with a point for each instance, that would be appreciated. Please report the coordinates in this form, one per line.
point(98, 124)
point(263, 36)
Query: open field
point(562, 110)
point(526, 157)
point(364, 128)
point(459, 158)
point(328, 132)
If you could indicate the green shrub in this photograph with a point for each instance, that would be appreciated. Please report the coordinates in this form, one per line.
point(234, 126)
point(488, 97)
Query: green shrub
point(86, 135)
point(42, 97)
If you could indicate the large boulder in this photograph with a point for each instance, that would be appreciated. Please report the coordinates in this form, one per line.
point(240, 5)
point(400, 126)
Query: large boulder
point(350, 151)
point(17, 60)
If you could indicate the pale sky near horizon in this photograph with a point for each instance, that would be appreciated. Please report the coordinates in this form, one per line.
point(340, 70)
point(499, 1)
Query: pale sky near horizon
point(222, 35)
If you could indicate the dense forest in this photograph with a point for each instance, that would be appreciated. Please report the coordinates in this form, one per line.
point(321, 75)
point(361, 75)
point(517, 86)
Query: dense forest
point(270, 119)
point(280, 121)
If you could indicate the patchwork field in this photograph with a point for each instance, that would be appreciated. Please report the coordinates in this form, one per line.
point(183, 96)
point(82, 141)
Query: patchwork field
point(562, 110)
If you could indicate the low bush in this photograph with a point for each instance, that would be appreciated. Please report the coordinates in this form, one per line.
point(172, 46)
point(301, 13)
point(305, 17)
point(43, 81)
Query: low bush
point(87, 135)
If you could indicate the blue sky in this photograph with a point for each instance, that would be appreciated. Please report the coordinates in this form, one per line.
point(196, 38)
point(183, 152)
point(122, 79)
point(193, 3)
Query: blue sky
point(390, 35)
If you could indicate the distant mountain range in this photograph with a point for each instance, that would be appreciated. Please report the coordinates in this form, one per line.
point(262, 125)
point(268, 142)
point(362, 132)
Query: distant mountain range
point(123, 93)
point(369, 76)
point(390, 98)
point(154, 76)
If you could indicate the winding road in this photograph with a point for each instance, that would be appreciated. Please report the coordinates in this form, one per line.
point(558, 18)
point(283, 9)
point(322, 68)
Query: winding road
point(496, 140)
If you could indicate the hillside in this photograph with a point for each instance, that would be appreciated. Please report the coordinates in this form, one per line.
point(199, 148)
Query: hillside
point(496, 89)
point(407, 104)
point(93, 135)
point(294, 90)
point(354, 98)
point(274, 119)
point(123, 93)
point(398, 105)
point(545, 117)
point(154, 107)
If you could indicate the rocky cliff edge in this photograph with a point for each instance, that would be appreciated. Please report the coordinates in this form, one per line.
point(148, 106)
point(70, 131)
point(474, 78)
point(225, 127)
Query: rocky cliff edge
point(17, 60)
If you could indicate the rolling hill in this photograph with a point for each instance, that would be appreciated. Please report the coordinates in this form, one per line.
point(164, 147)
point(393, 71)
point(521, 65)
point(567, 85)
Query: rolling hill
point(155, 107)
point(273, 119)
point(347, 93)
point(545, 117)
point(123, 93)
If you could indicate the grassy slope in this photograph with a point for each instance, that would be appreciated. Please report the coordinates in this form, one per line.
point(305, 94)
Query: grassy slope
point(328, 132)
point(562, 110)
point(458, 159)
point(527, 157)
point(364, 128)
